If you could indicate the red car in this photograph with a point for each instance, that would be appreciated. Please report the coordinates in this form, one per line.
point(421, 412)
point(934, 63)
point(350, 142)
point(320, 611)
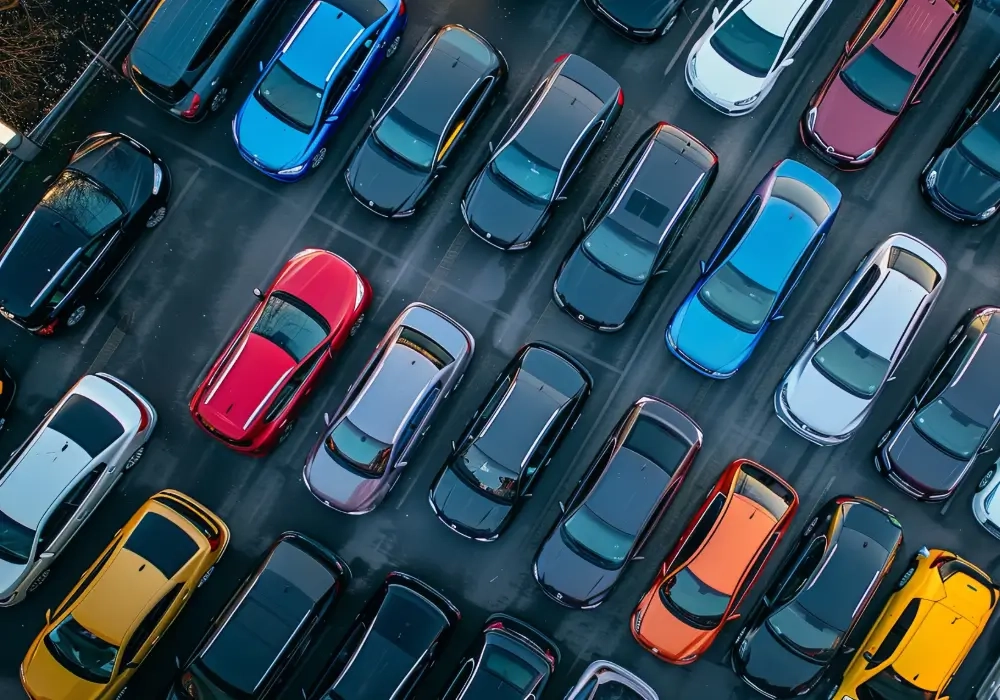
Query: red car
point(884, 69)
point(249, 397)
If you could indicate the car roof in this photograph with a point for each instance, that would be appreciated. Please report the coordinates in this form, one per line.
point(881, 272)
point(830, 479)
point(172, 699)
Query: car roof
point(975, 390)
point(628, 490)
point(321, 43)
point(871, 521)
point(913, 31)
point(774, 16)
point(172, 37)
point(740, 532)
point(932, 650)
point(774, 243)
point(564, 112)
point(880, 325)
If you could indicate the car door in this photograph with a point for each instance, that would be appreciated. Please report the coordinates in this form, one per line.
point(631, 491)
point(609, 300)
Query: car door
point(737, 232)
point(144, 637)
point(471, 109)
point(581, 149)
point(72, 511)
point(359, 69)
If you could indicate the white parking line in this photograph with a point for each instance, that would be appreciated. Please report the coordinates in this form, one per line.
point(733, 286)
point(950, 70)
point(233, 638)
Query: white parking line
point(681, 50)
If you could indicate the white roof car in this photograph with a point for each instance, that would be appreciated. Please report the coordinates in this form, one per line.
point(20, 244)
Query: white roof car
point(986, 509)
point(749, 43)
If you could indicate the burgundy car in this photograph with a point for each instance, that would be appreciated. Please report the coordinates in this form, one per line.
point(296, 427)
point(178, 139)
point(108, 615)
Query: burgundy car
point(884, 69)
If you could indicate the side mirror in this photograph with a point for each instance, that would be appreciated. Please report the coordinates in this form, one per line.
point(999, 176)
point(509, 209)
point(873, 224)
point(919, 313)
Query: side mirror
point(915, 101)
point(663, 569)
point(847, 47)
point(260, 66)
point(985, 450)
point(892, 378)
point(48, 616)
point(562, 506)
point(734, 616)
point(561, 198)
point(702, 266)
point(401, 465)
point(453, 447)
point(491, 146)
point(787, 62)
point(46, 555)
point(867, 656)
point(327, 419)
point(716, 14)
point(257, 293)
point(132, 664)
point(777, 317)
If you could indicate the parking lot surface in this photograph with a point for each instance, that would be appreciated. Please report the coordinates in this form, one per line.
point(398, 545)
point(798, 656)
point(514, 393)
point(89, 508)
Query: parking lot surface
point(188, 287)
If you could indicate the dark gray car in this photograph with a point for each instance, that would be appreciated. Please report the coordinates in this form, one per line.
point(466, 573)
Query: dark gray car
point(388, 409)
point(605, 680)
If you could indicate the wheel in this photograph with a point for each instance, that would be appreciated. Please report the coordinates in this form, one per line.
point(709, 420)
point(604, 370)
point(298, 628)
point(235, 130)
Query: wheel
point(134, 459)
point(317, 160)
point(39, 580)
point(905, 578)
point(286, 431)
point(208, 575)
point(987, 478)
point(156, 217)
point(357, 325)
point(219, 99)
point(76, 316)
point(392, 47)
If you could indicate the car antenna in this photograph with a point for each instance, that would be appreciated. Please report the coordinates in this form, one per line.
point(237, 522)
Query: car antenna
point(340, 14)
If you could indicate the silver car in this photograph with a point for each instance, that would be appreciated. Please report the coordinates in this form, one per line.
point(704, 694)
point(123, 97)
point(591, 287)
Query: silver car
point(828, 392)
point(604, 679)
point(985, 505)
point(989, 689)
point(54, 481)
point(388, 409)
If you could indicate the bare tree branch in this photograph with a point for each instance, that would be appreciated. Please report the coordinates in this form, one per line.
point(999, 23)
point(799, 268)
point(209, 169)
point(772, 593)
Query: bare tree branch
point(29, 39)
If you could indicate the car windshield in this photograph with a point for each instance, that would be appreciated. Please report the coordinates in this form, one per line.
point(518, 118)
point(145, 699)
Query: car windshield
point(509, 670)
point(488, 475)
point(591, 533)
point(851, 366)
point(292, 99)
point(887, 685)
point(619, 251)
point(291, 325)
point(693, 599)
point(15, 540)
point(950, 429)
point(877, 80)
point(804, 633)
point(737, 299)
point(81, 651)
point(533, 176)
point(362, 451)
point(81, 202)
point(745, 44)
point(407, 139)
point(981, 145)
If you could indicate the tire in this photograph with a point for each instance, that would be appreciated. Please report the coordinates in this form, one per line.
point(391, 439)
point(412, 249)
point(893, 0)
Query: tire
point(121, 693)
point(985, 481)
point(393, 46)
point(219, 99)
point(39, 580)
point(357, 325)
point(76, 315)
point(905, 578)
point(885, 436)
point(134, 459)
point(156, 217)
point(206, 576)
point(317, 160)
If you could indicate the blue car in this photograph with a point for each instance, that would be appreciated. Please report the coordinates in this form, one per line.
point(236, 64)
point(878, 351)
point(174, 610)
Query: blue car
point(753, 270)
point(312, 81)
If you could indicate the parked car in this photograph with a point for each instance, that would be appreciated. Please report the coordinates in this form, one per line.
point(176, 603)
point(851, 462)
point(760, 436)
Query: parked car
point(605, 679)
point(125, 602)
point(56, 479)
point(567, 115)
point(616, 504)
point(250, 396)
point(256, 642)
point(962, 179)
point(832, 386)
point(941, 605)
point(394, 640)
point(312, 81)
point(445, 90)
point(186, 57)
point(510, 659)
point(814, 602)
point(629, 236)
point(715, 563)
point(987, 512)
point(989, 687)
point(8, 388)
point(882, 72)
point(512, 436)
point(641, 22)
point(754, 269)
point(737, 61)
point(952, 416)
point(418, 363)
point(77, 237)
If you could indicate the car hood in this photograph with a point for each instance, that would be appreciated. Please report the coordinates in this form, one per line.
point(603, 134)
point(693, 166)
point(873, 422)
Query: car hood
point(724, 80)
point(598, 295)
point(923, 462)
point(773, 668)
point(640, 14)
point(379, 179)
point(847, 123)
point(671, 636)
point(462, 506)
point(122, 169)
point(569, 577)
point(339, 487)
point(821, 405)
point(46, 679)
point(266, 139)
point(708, 340)
point(964, 185)
point(503, 215)
point(10, 576)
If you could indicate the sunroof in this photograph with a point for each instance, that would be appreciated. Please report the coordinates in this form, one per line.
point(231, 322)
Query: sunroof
point(646, 208)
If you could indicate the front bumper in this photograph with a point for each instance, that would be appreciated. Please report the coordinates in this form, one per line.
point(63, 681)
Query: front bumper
point(784, 414)
point(703, 371)
point(826, 153)
point(702, 93)
point(943, 206)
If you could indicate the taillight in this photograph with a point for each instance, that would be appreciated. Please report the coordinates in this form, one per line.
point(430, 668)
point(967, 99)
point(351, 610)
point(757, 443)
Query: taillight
point(551, 659)
point(213, 542)
point(494, 626)
point(49, 329)
point(941, 560)
point(402, 7)
point(621, 97)
point(561, 58)
point(143, 416)
point(187, 682)
point(192, 110)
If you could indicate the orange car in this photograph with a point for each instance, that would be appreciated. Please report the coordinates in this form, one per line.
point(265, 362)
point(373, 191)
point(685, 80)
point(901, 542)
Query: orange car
point(714, 563)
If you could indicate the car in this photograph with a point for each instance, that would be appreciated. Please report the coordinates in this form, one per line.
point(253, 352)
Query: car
point(749, 44)
point(77, 237)
point(55, 480)
point(392, 643)
point(882, 72)
point(446, 89)
point(983, 508)
point(642, 22)
point(616, 504)
point(419, 362)
point(635, 227)
point(186, 57)
point(951, 418)
point(606, 679)
point(310, 84)
point(801, 625)
point(830, 389)
point(251, 394)
point(568, 114)
point(989, 687)
point(256, 642)
point(531, 407)
point(924, 632)
point(717, 559)
point(962, 179)
point(92, 644)
point(509, 659)
point(753, 270)
point(8, 388)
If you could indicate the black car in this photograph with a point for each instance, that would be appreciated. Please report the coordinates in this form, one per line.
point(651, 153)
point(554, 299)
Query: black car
point(817, 597)
point(566, 116)
point(8, 387)
point(951, 418)
point(962, 179)
point(636, 224)
point(532, 405)
point(639, 20)
point(393, 641)
point(617, 503)
point(446, 89)
point(510, 660)
point(80, 233)
point(186, 57)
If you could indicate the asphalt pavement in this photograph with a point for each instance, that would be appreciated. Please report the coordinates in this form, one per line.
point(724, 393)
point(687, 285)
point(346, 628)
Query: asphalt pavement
point(229, 229)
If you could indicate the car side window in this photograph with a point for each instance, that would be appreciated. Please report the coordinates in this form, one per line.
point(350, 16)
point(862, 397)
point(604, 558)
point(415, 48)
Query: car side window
point(855, 298)
point(77, 270)
point(69, 506)
point(223, 29)
point(740, 228)
point(462, 116)
point(803, 569)
point(701, 530)
point(85, 582)
point(419, 413)
point(292, 385)
point(454, 691)
point(748, 580)
point(149, 624)
point(895, 635)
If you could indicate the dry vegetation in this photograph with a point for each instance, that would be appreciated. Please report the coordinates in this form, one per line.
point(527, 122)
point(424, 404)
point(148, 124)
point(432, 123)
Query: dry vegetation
point(29, 43)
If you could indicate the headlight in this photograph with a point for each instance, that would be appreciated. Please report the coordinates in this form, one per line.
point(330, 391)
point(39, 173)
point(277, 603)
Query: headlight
point(987, 214)
point(931, 178)
point(638, 621)
point(520, 246)
point(989, 498)
point(866, 156)
point(293, 171)
point(157, 178)
point(747, 101)
point(408, 212)
point(360, 294)
point(811, 119)
point(691, 69)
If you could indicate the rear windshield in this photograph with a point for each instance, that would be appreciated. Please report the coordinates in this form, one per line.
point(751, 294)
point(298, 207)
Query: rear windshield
point(291, 325)
point(162, 544)
point(82, 203)
point(87, 424)
point(905, 262)
point(366, 12)
point(657, 444)
point(509, 669)
point(418, 342)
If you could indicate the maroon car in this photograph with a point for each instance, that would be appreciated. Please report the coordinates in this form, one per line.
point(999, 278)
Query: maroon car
point(884, 68)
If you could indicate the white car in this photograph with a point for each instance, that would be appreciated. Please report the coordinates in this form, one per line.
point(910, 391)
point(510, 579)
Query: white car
point(985, 504)
point(750, 42)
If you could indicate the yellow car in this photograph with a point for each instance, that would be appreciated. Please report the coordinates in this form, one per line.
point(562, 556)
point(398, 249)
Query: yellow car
point(97, 637)
point(939, 609)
